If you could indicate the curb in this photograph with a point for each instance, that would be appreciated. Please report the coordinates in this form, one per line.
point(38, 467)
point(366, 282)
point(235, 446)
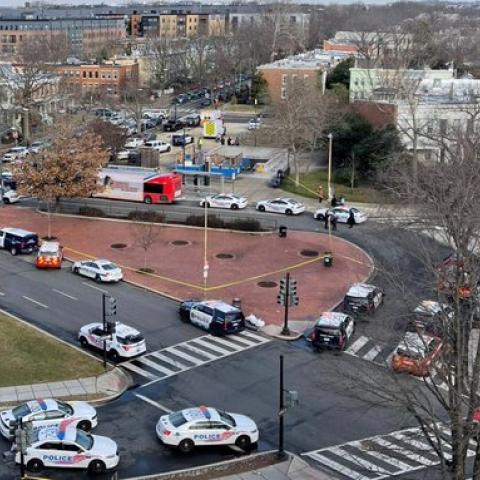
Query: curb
point(204, 469)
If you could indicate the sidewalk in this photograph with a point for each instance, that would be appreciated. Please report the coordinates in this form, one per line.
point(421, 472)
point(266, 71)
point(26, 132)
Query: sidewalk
point(95, 389)
point(292, 469)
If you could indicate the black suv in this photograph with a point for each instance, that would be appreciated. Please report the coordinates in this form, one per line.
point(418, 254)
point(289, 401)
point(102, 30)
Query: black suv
point(174, 125)
point(16, 240)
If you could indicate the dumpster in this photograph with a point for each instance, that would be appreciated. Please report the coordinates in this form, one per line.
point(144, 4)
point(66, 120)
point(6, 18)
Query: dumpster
point(282, 231)
point(328, 259)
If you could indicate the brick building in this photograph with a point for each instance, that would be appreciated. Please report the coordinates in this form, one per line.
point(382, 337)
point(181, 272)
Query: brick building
point(111, 77)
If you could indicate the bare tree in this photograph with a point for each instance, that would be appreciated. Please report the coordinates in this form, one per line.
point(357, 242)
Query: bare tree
point(66, 169)
point(135, 100)
point(145, 234)
point(113, 137)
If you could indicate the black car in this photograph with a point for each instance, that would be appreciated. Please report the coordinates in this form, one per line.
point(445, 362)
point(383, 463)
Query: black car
point(173, 125)
point(181, 140)
point(206, 102)
point(193, 120)
point(332, 330)
point(16, 240)
point(363, 298)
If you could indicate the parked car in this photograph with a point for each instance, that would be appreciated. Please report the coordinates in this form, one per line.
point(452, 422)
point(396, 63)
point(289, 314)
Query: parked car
point(193, 120)
point(10, 196)
point(342, 213)
point(17, 240)
point(134, 142)
point(193, 427)
point(254, 124)
point(332, 330)
point(99, 270)
point(173, 125)
point(205, 102)
point(430, 317)
point(123, 154)
point(181, 140)
point(288, 206)
point(48, 413)
point(416, 354)
point(224, 200)
point(36, 147)
point(49, 255)
point(122, 341)
point(14, 153)
point(158, 145)
point(103, 112)
point(363, 298)
point(215, 316)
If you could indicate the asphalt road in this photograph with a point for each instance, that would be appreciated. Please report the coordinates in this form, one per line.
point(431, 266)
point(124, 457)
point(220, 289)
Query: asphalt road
point(333, 408)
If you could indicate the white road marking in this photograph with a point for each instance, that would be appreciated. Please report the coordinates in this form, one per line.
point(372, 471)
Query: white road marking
point(95, 287)
point(2, 294)
point(35, 302)
point(357, 345)
point(371, 354)
point(153, 402)
point(64, 294)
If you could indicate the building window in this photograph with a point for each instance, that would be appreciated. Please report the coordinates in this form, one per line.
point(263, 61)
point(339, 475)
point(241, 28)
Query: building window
point(84, 74)
point(89, 74)
point(284, 79)
point(283, 93)
point(96, 74)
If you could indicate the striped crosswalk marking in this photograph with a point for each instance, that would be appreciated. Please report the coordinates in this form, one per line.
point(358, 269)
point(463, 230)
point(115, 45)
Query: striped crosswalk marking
point(170, 361)
point(357, 345)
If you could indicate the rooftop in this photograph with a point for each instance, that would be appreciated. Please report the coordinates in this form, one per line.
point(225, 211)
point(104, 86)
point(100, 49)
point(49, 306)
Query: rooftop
point(317, 58)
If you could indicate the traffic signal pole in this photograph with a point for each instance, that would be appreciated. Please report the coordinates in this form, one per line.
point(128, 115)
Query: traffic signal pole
point(286, 330)
point(104, 324)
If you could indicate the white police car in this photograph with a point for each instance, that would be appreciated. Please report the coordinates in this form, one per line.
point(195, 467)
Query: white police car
point(224, 200)
point(215, 316)
point(122, 341)
point(193, 427)
point(48, 412)
point(288, 206)
point(99, 270)
point(68, 447)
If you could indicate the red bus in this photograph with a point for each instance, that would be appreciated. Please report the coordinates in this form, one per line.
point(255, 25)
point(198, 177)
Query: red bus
point(139, 185)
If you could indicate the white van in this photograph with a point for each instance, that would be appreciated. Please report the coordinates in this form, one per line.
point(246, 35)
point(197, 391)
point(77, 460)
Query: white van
point(158, 145)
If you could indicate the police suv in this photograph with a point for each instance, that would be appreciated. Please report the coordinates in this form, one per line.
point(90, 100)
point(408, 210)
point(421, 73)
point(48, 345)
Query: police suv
point(17, 240)
point(215, 316)
point(363, 298)
point(121, 340)
point(48, 412)
point(67, 447)
point(193, 427)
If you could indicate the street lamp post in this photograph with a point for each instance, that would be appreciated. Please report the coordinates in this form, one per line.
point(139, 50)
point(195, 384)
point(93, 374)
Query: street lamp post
point(330, 141)
point(255, 102)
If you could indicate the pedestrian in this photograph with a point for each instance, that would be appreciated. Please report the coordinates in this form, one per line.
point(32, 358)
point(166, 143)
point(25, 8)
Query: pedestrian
point(334, 201)
point(229, 141)
point(237, 141)
point(351, 219)
point(320, 194)
point(222, 140)
point(327, 220)
point(200, 143)
point(333, 221)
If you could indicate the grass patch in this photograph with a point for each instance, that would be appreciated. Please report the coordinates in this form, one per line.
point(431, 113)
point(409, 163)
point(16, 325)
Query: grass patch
point(28, 356)
point(363, 194)
point(240, 108)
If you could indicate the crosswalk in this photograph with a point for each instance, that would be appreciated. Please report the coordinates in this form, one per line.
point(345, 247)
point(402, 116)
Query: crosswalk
point(170, 361)
point(383, 456)
point(381, 354)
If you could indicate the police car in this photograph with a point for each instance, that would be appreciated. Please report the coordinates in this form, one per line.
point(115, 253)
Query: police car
point(363, 298)
point(215, 316)
point(288, 206)
point(122, 341)
point(341, 213)
point(99, 270)
point(48, 412)
point(68, 447)
point(332, 330)
point(201, 426)
point(224, 200)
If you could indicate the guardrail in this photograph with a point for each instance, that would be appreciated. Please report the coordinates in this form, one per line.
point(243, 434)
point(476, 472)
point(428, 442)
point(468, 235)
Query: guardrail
point(113, 209)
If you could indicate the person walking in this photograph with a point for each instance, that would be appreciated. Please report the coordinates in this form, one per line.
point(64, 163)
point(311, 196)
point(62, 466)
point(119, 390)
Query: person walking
point(237, 141)
point(333, 221)
point(327, 220)
point(229, 140)
point(351, 219)
point(334, 201)
point(320, 194)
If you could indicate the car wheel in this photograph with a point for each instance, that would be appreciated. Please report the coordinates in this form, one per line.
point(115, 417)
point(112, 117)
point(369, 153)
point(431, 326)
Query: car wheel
point(234, 206)
point(114, 355)
point(13, 251)
point(76, 271)
point(83, 342)
point(320, 216)
point(6, 201)
point(186, 445)
point(185, 316)
point(84, 425)
point(97, 466)
point(148, 200)
point(169, 148)
point(243, 442)
point(288, 212)
point(35, 465)
point(98, 278)
point(207, 204)
point(261, 208)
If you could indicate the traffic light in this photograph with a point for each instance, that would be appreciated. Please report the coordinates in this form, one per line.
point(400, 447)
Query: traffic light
point(283, 286)
point(292, 290)
point(28, 429)
point(111, 328)
point(20, 440)
point(111, 306)
point(281, 299)
point(294, 301)
point(291, 398)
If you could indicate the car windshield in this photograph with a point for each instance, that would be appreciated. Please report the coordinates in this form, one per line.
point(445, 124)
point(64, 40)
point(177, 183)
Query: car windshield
point(130, 339)
point(21, 411)
point(65, 408)
point(177, 419)
point(358, 300)
point(226, 418)
point(325, 330)
point(84, 440)
point(109, 266)
point(48, 254)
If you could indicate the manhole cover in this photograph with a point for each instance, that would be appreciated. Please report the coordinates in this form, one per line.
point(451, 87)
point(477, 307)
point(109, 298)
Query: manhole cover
point(180, 243)
point(309, 253)
point(118, 245)
point(225, 256)
point(267, 284)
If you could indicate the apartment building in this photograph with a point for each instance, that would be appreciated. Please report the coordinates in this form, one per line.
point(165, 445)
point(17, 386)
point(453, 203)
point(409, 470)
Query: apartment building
point(110, 77)
point(83, 35)
point(311, 67)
